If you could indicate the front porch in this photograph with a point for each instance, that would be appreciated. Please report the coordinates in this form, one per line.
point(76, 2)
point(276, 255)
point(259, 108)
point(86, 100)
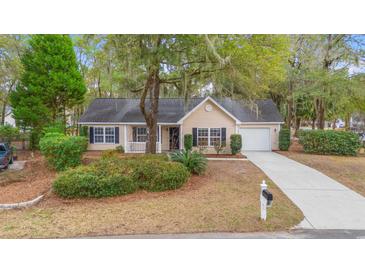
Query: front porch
point(169, 138)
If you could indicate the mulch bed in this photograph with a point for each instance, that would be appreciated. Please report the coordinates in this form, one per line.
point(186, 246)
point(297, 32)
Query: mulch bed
point(24, 185)
point(237, 156)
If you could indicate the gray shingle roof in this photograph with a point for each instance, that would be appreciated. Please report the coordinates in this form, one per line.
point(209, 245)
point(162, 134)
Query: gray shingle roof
point(171, 110)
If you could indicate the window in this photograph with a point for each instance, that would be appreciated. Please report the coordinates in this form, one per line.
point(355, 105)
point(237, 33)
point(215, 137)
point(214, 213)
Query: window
point(98, 135)
point(109, 135)
point(209, 136)
point(141, 134)
point(203, 134)
point(104, 135)
point(215, 136)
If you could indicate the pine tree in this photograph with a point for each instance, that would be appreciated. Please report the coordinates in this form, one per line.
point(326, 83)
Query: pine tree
point(50, 84)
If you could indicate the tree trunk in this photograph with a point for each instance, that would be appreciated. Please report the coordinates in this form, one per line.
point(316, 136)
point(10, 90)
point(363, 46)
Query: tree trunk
point(320, 113)
point(314, 123)
point(290, 104)
point(3, 113)
point(347, 121)
point(152, 88)
point(334, 124)
point(64, 119)
point(297, 126)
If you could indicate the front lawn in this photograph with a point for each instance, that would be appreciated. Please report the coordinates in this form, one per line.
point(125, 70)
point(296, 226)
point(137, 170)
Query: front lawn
point(224, 199)
point(347, 170)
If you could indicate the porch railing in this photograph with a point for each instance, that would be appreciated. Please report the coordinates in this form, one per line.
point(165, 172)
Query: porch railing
point(140, 147)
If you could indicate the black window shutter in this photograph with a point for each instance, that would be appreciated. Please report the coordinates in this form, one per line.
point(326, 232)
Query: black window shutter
point(134, 134)
point(91, 135)
point(195, 136)
point(116, 135)
point(158, 134)
point(224, 138)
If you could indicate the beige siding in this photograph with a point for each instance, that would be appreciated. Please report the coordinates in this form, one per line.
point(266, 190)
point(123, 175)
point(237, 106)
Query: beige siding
point(216, 118)
point(274, 132)
point(108, 146)
point(165, 138)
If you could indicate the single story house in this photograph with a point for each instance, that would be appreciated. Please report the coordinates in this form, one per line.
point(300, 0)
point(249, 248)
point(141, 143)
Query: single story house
point(114, 122)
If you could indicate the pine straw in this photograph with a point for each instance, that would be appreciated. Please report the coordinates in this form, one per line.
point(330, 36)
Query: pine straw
point(225, 199)
point(24, 185)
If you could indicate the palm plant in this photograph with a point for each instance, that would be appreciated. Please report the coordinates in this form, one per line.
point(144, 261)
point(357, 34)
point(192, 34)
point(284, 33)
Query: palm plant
point(194, 161)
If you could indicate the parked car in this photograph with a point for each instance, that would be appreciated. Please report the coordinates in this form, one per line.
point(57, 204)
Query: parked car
point(6, 156)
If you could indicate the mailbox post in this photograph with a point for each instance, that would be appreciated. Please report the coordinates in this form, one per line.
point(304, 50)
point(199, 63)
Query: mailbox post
point(266, 199)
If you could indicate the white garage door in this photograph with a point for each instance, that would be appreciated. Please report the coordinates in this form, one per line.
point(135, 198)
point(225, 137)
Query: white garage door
point(256, 139)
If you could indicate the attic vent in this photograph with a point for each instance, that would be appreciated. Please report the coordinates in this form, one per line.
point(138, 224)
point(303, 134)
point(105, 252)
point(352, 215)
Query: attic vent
point(208, 108)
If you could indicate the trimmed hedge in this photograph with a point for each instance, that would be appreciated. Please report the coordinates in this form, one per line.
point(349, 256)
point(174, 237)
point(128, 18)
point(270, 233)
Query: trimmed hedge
point(113, 176)
point(61, 151)
point(188, 141)
point(284, 139)
point(236, 143)
point(153, 175)
point(86, 181)
point(329, 142)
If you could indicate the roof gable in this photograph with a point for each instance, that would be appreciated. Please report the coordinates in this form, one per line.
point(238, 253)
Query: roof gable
point(202, 103)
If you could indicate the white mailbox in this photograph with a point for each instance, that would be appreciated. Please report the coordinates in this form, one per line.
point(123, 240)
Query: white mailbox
point(266, 199)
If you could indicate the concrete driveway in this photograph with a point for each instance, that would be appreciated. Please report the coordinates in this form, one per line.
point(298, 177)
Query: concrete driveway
point(325, 203)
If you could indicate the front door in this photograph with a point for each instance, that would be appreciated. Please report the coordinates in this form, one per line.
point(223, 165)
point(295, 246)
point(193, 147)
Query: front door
point(174, 138)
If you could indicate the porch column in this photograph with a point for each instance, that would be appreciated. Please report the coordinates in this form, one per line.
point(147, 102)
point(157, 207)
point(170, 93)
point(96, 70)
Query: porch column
point(159, 139)
point(125, 139)
point(181, 137)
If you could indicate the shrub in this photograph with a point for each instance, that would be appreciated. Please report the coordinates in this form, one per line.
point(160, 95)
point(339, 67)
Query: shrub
point(154, 175)
point(84, 181)
point(236, 143)
point(54, 128)
point(330, 142)
point(8, 133)
point(188, 141)
point(219, 146)
point(84, 131)
point(114, 176)
point(194, 161)
point(284, 139)
point(34, 138)
point(120, 149)
point(62, 152)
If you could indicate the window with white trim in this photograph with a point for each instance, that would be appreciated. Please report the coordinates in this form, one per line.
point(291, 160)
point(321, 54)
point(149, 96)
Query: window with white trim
point(203, 137)
point(104, 135)
point(110, 135)
point(98, 135)
point(141, 134)
point(215, 136)
point(209, 136)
